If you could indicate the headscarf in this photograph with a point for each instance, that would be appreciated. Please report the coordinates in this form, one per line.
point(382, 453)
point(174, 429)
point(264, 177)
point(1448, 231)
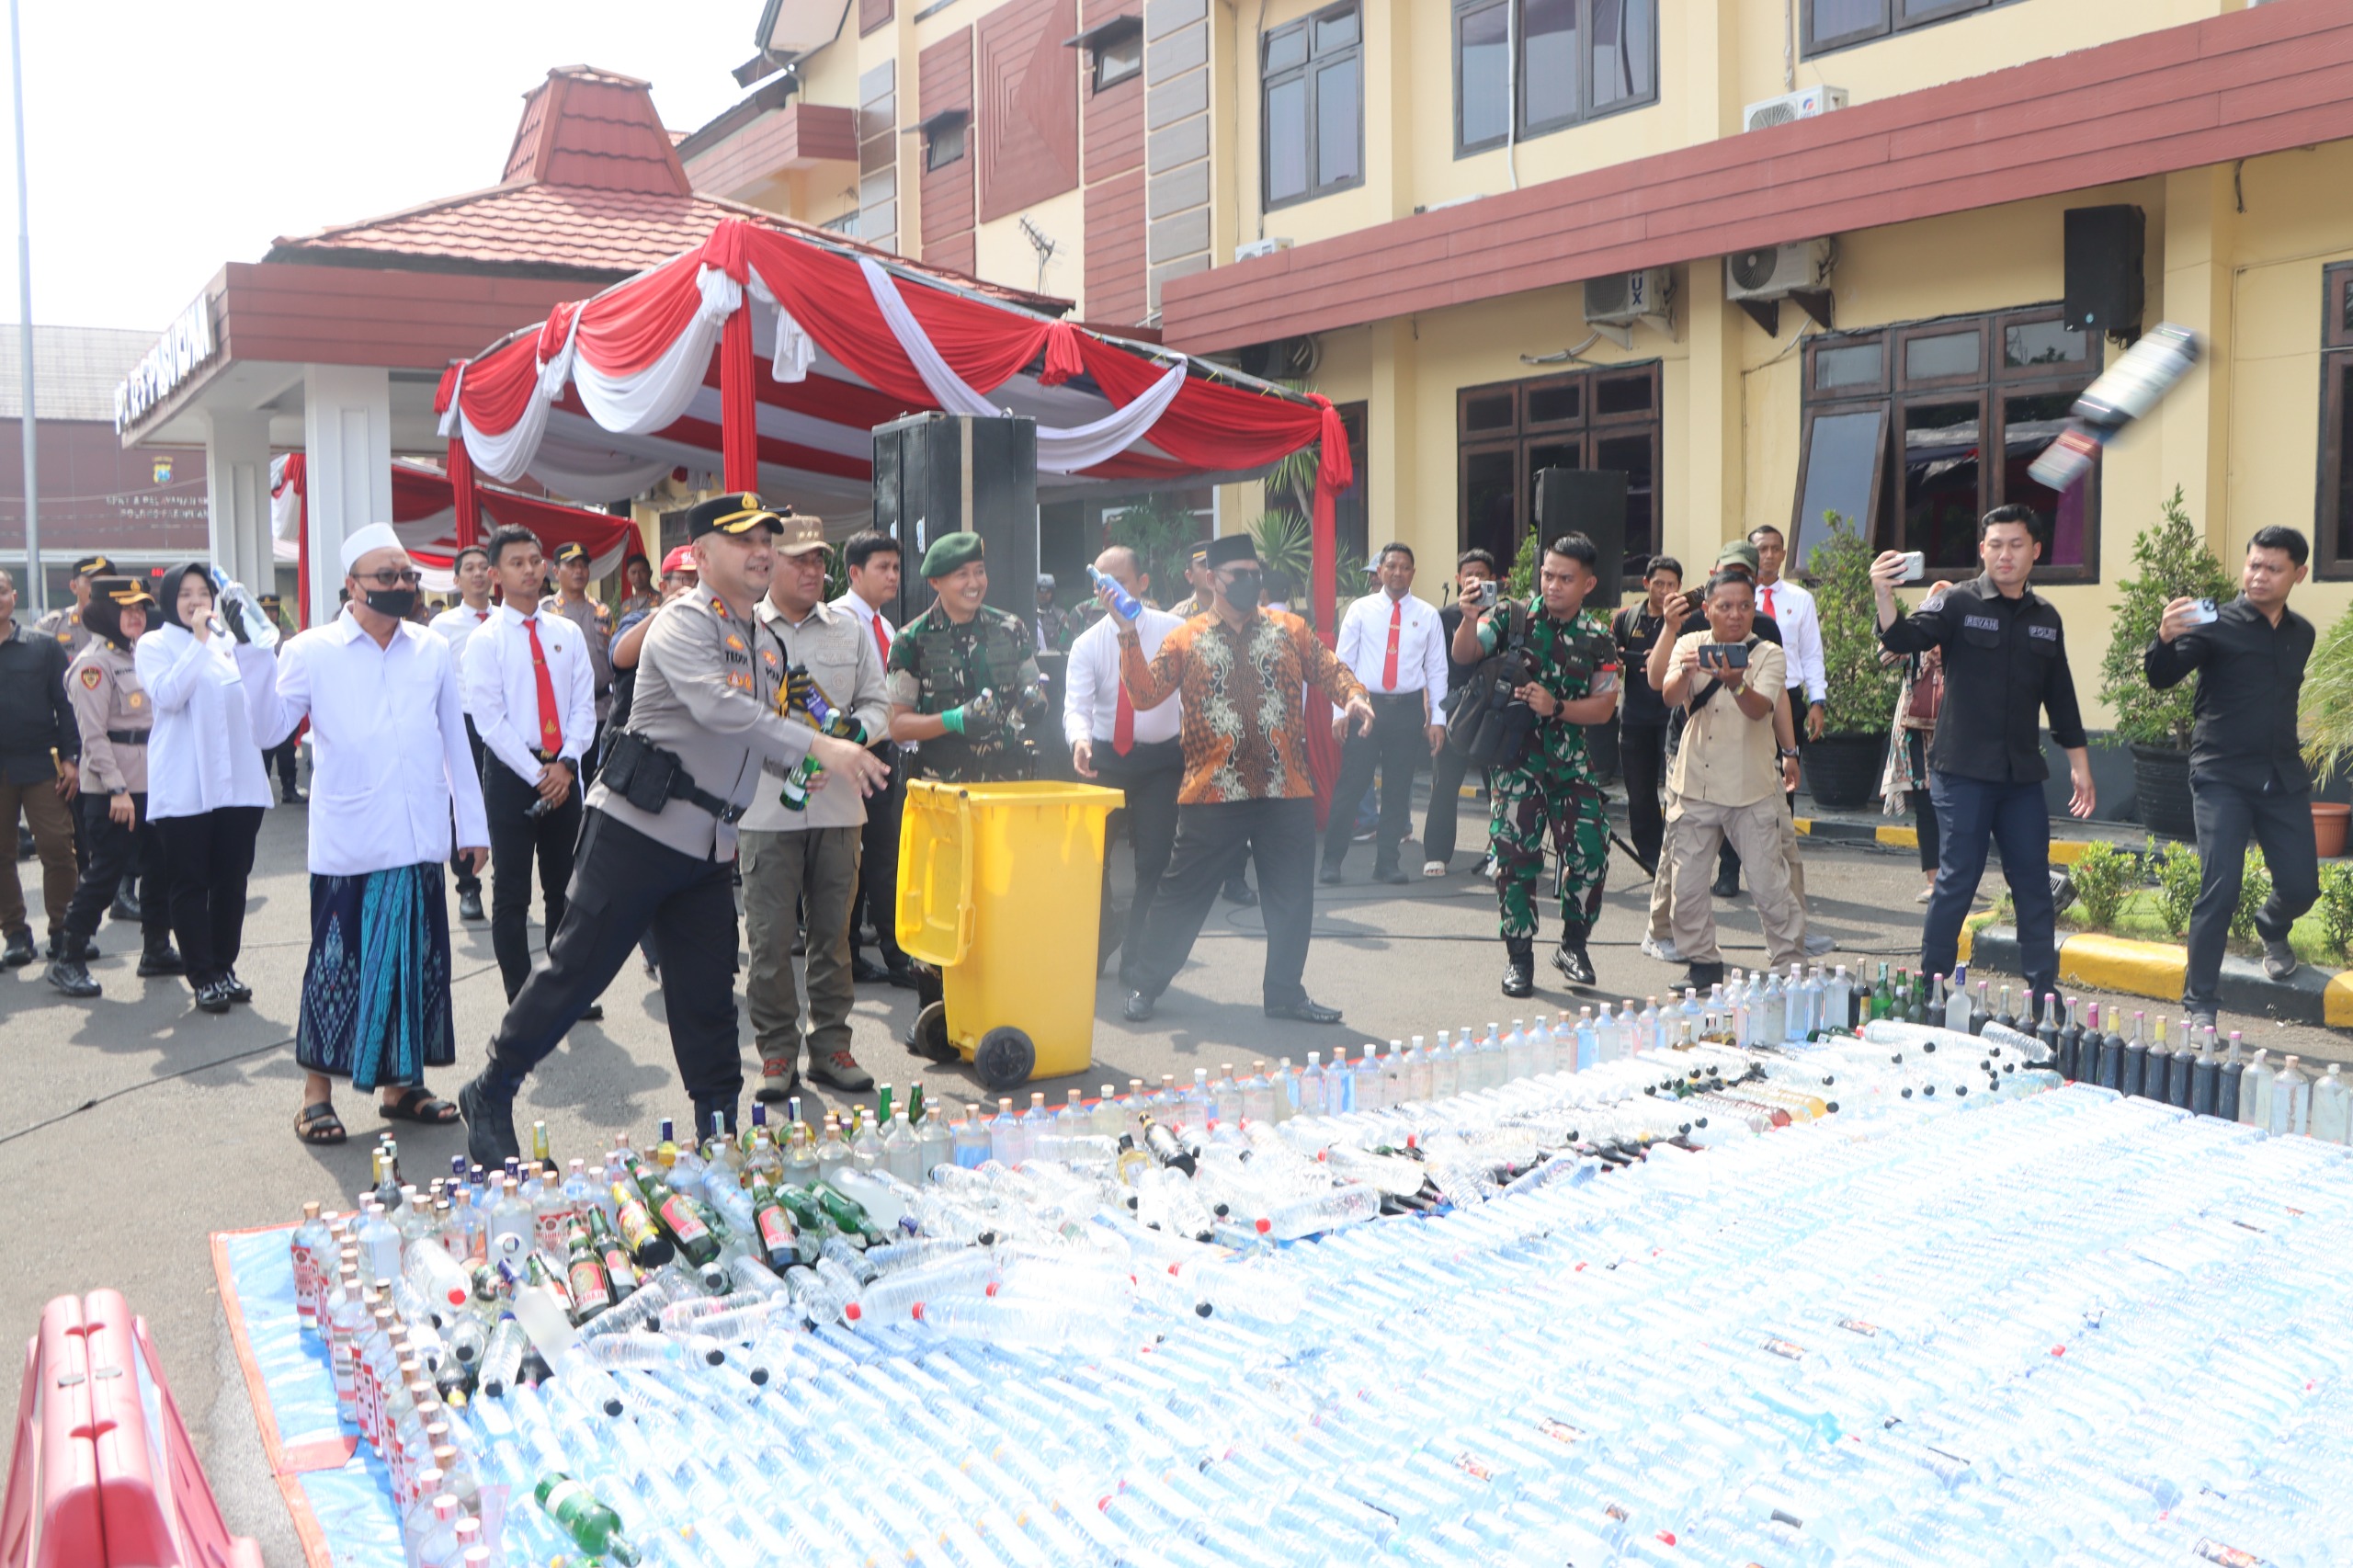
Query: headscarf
point(167, 589)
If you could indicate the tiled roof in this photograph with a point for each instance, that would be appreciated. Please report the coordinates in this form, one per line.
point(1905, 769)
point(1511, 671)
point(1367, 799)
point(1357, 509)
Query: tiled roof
point(74, 370)
point(593, 190)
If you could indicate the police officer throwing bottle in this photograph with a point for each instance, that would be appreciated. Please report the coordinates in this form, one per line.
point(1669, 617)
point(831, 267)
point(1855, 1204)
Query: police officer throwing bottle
point(659, 835)
point(2006, 662)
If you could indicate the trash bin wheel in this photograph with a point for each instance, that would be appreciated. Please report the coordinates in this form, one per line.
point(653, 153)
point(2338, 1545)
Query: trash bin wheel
point(929, 1037)
point(1003, 1058)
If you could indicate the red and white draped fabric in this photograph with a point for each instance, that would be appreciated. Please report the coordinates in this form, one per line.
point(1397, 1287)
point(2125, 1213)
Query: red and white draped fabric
point(763, 360)
point(424, 516)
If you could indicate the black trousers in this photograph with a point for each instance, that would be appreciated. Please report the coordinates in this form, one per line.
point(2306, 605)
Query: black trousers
point(1397, 744)
point(1642, 762)
point(467, 881)
point(515, 839)
point(1212, 841)
point(1448, 769)
point(209, 858)
point(117, 852)
point(1150, 775)
point(878, 867)
point(2228, 815)
point(1924, 806)
point(624, 884)
point(279, 759)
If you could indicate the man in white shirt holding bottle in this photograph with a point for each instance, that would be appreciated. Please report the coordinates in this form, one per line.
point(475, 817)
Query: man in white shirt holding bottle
point(1791, 607)
point(461, 620)
point(532, 696)
point(1114, 744)
point(1395, 645)
point(873, 563)
point(388, 736)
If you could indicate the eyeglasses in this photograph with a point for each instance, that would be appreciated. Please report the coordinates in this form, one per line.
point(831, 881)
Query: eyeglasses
point(389, 579)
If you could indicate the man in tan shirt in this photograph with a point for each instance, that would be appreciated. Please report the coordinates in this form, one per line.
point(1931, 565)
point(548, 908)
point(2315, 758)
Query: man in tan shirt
point(1726, 781)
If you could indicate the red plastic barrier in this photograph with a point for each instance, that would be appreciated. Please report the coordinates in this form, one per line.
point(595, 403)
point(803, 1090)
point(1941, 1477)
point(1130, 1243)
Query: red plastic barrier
point(104, 1475)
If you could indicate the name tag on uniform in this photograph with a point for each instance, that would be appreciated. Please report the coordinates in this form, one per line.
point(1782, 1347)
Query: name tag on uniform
point(2048, 633)
point(1981, 623)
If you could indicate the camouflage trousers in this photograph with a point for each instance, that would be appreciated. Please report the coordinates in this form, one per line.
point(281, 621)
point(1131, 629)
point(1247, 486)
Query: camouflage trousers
point(1529, 806)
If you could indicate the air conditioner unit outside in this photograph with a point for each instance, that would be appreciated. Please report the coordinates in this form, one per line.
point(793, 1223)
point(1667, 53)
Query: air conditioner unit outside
point(1250, 250)
point(1624, 298)
point(1774, 272)
point(1809, 104)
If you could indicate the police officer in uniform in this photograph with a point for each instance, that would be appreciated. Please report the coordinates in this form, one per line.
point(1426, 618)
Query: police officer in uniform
point(657, 842)
point(595, 619)
point(112, 712)
point(68, 623)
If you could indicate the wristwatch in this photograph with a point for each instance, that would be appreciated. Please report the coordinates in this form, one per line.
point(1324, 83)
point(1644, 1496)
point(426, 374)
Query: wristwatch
point(1789, 751)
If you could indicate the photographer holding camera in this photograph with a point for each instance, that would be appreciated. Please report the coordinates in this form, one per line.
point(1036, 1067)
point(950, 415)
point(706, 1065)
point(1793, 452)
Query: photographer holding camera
point(2247, 772)
point(1543, 678)
point(1727, 777)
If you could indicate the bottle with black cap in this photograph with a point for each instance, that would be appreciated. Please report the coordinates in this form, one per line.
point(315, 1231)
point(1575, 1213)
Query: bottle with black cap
point(2071, 1039)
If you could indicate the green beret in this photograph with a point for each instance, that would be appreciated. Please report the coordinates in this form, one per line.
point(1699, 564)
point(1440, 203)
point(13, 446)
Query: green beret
point(951, 553)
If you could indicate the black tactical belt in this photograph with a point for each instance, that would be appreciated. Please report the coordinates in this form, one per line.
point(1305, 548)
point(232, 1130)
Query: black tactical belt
point(128, 737)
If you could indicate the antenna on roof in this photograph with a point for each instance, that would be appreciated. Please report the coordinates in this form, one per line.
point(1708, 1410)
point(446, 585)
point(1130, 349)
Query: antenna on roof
point(1041, 244)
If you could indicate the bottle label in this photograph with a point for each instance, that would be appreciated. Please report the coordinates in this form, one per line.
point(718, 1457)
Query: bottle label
point(683, 1222)
point(2213, 1550)
point(637, 1226)
point(776, 1230)
point(586, 1278)
point(1786, 1349)
point(618, 1270)
point(1856, 1325)
point(1561, 1431)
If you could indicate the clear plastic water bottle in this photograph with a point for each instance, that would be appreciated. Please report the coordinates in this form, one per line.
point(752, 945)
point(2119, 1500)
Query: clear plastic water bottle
point(1775, 1027)
point(1606, 1036)
point(1366, 1078)
point(2292, 1100)
point(1309, 1087)
point(2329, 1118)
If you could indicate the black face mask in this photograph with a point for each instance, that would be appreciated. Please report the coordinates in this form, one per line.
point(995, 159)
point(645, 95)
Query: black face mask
point(394, 602)
point(1241, 590)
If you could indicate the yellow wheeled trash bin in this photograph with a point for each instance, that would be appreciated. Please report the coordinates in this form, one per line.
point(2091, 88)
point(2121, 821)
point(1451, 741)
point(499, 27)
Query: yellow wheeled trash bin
point(1001, 887)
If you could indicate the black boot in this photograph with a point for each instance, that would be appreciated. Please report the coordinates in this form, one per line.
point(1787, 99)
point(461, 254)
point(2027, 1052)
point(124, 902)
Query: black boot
point(66, 971)
point(159, 957)
point(19, 950)
point(1519, 967)
point(489, 1111)
point(1574, 964)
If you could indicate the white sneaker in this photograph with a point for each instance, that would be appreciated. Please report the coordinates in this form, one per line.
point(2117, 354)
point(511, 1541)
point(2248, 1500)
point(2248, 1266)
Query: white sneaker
point(1817, 944)
point(1664, 951)
point(1433, 868)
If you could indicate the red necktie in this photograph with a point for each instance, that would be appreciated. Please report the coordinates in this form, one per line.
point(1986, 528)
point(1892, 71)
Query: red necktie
point(1389, 664)
point(1768, 599)
point(551, 727)
point(882, 641)
point(1124, 721)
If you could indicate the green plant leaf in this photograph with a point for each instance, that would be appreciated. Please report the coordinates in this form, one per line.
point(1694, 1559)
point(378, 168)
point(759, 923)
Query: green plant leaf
point(2173, 562)
point(1861, 686)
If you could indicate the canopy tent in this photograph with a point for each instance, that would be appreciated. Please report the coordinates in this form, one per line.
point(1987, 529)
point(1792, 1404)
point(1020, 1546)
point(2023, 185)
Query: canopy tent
point(661, 371)
point(424, 516)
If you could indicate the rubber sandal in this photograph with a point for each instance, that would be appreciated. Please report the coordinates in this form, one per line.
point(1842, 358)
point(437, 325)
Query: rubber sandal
point(317, 1125)
point(416, 1104)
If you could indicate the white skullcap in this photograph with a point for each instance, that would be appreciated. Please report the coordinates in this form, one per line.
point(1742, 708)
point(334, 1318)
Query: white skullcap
point(375, 536)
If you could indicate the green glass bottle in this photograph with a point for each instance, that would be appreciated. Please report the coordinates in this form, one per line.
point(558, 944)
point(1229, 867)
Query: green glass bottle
point(1883, 995)
point(780, 1243)
point(914, 1107)
point(621, 1271)
point(847, 1214)
point(592, 1525)
point(883, 1106)
point(681, 1219)
point(823, 715)
point(807, 1215)
point(583, 1271)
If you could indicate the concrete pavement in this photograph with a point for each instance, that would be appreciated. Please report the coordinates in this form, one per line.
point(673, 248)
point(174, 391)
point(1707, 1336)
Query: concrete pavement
point(136, 1125)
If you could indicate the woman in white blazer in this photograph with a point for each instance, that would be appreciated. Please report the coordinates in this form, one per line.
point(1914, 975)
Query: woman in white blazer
point(205, 784)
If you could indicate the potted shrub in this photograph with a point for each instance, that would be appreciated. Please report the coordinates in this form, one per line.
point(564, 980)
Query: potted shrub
point(1843, 767)
point(2326, 720)
point(2174, 562)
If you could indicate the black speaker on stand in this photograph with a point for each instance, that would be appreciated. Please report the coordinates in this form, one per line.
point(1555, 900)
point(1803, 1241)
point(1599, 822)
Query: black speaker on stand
point(937, 474)
point(1591, 502)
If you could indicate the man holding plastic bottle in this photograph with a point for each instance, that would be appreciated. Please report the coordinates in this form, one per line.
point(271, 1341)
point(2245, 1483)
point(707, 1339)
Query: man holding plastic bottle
point(2248, 776)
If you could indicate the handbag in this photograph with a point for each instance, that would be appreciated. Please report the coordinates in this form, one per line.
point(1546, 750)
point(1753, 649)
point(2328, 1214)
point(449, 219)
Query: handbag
point(1927, 693)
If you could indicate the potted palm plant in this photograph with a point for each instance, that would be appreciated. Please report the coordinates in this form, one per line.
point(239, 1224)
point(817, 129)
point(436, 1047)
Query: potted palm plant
point(2173, 562)
point(2325, 717)
point(1842, 768)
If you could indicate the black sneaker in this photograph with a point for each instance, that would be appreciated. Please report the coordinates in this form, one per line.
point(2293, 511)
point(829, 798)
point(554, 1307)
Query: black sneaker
point(124, 908)
point(213, 997)
point(19, 950)
point(490, 1124)
point(236, 990)
point(67, 973)
point(1700, 976)
point(160, 957)
point(1727, 885)
point(1329, 875)
point(1575, 966)
point(1137, 1008)
point(1520, 969)
point(2279, 961)
point(469, 906)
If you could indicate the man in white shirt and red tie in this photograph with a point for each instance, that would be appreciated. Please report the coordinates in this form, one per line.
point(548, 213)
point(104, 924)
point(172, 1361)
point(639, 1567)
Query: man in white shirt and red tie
point(1140, 753)
point(530, 693)
point(871, 559)
point(1395, 645)
point(459, 621)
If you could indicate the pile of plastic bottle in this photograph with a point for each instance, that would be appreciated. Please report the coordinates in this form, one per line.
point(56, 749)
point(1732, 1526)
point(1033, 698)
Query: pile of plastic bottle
point(1581, 1312)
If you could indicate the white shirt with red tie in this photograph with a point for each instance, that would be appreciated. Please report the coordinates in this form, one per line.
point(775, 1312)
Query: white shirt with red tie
point(1792, 609)
point(876, 625)
point(459, 621)
point(500, 685)
point(1396, 645)
point(1092, 696)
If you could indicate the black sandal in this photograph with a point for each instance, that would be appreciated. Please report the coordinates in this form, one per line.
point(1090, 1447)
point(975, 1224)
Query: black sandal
point(416, 1104)
point(317, 1125)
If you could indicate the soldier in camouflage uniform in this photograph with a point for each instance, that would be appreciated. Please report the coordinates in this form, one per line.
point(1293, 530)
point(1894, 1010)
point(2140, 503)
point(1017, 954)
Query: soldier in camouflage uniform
point(1570, 681)
point(963, 677)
